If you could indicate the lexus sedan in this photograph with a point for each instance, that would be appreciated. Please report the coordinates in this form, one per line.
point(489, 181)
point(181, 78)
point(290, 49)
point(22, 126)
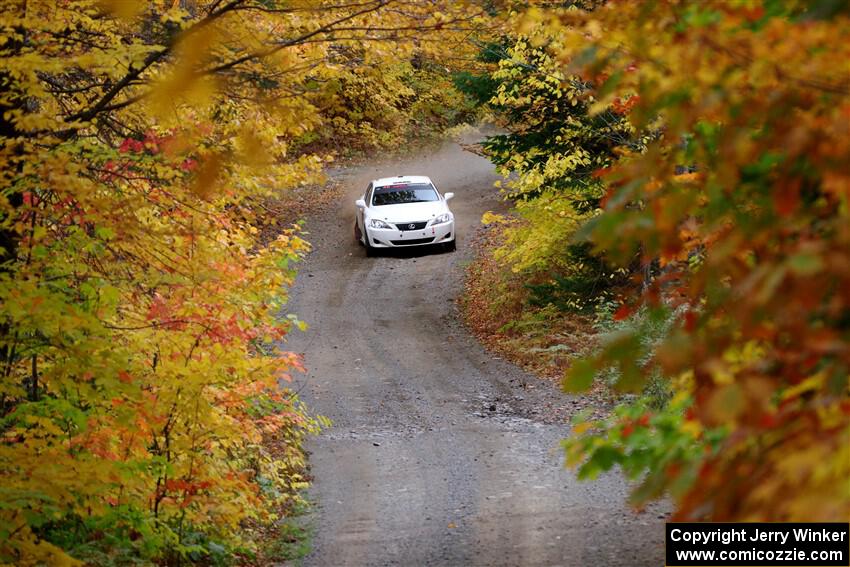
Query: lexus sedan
point(403, 211)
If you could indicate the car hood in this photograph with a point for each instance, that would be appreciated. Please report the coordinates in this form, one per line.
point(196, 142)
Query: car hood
point(409, 212)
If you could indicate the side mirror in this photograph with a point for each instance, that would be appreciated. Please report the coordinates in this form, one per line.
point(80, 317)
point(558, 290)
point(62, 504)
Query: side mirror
point(448, 196)
point(361, 204)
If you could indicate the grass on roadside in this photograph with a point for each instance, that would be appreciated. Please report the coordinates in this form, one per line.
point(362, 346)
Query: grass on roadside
point(294, 537)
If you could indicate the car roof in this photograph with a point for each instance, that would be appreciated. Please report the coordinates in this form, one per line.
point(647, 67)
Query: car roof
point(400, 180)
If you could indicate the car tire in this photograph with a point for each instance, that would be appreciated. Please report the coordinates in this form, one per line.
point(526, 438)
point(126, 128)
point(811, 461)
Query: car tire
point(450, 246)
point(358, 236)
point(370, 250)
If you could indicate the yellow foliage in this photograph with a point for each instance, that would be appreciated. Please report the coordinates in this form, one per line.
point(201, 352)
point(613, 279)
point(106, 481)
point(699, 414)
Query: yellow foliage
point(742, 199)
point(140, 328)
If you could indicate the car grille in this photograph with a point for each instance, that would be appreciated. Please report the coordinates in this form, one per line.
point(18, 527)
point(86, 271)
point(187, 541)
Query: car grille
point(411, 241)
point(411, 225)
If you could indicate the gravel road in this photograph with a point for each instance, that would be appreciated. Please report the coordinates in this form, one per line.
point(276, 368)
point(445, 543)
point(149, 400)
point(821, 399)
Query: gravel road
point(437, 455)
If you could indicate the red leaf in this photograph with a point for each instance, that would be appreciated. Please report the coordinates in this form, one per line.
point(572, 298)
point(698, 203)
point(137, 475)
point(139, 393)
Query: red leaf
point(768, 420)
point(786, 198)
point(622, 312)
point(690, 321)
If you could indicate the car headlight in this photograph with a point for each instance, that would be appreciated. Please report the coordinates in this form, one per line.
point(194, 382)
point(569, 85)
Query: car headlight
point(376, 223)
point(442, 219)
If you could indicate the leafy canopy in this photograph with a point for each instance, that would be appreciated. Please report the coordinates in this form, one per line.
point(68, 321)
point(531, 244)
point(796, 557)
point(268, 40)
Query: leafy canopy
point(754, 245)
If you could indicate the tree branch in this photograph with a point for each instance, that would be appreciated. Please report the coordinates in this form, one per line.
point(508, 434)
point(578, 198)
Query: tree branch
point(102, 105)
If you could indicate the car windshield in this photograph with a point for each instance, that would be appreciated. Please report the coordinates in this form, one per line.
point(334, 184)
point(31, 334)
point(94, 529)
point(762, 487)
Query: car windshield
point(404, 193)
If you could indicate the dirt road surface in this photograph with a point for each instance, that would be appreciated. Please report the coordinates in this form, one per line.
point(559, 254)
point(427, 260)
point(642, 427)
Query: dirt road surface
point(437, 455)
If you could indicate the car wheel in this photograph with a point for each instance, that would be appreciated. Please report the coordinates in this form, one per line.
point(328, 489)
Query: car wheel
point(450, 246)
point(357, 234)
point(370, 250)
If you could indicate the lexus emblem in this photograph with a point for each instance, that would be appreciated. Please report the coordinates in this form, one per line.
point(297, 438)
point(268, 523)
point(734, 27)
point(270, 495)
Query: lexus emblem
point(411, 226)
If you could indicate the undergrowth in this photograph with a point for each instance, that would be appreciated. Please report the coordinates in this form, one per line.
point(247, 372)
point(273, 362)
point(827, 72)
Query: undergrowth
point(501, 310)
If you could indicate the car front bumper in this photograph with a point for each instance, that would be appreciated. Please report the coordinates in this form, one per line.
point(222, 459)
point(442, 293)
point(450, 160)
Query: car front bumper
point(394, 238)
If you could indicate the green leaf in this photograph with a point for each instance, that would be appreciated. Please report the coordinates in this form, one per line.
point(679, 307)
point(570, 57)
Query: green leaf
point(805, 264)
point(580, 376)
point(603, 459)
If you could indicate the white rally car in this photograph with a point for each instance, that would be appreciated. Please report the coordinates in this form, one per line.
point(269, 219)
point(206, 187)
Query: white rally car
point(398, 212)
